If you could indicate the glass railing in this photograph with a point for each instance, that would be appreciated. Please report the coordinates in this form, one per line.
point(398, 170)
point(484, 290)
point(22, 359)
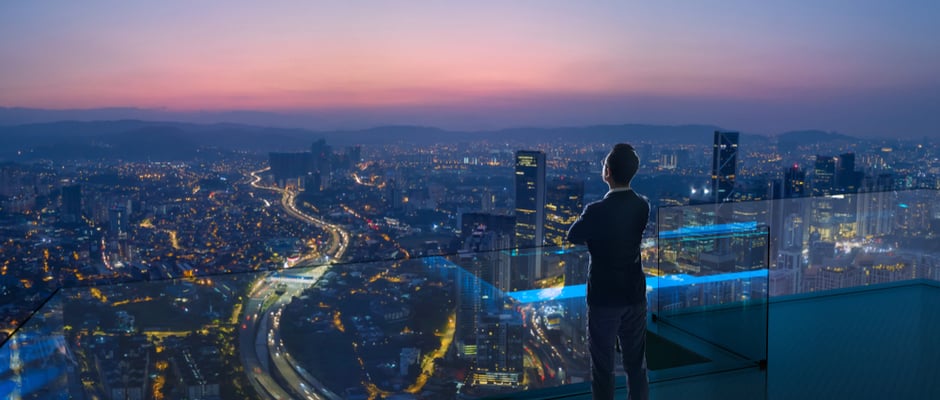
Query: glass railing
point(712, 285)
point(818, 244)
point(472, 324)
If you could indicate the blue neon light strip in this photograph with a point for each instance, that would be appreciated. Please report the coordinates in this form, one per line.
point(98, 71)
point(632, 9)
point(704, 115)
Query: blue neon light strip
point(703, 230)
point(652, 283)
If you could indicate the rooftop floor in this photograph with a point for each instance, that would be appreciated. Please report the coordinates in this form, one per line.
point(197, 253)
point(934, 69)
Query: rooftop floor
point(862, 343)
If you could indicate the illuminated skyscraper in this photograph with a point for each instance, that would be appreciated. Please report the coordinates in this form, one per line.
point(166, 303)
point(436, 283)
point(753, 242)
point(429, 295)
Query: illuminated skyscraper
point(530, 209)
point(119, 222)
point(530, 198)
point(321, 160)
point(499, 351)
point(876, 206)
point(847, 179)
point(794, 182)
point(564, 203)
point(724, 165)
point(824, 175)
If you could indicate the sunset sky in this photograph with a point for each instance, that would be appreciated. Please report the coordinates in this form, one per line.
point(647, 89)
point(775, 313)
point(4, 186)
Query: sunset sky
point(859, 67)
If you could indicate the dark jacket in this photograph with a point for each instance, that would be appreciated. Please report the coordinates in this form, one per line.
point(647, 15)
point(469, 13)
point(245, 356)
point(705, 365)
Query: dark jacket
point(613, 228)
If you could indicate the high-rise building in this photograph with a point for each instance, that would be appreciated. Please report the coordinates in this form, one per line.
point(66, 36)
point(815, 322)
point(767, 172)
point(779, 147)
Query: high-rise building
point(847, 179)
point(824, 175)
point(119, 222)
point(321, 155)
point(724, 165)
point(530, 198)
point(876, 206)
point(499, 351)
point(71, 203)
point(564, 203)
point(794, 182)
point(530, 210)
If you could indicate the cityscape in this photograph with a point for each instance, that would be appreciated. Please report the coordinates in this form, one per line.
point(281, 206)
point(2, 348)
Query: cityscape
point(370, 200)
point(427, 271)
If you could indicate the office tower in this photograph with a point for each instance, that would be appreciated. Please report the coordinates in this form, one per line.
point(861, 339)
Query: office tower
point(824, 176)
point(847, 179)
point(530, 210)
point(563, 204)
point(480, 284)
point(876, 204)
point(491, 234)
point(469, 305)
point(499, 351)
point(394, 195)
point(71, 203)
point(487, 200)
point(530, 198)
point(724, 165)
point(119, 222)
point(321, 160)
point(312, 182)
point(794, 182)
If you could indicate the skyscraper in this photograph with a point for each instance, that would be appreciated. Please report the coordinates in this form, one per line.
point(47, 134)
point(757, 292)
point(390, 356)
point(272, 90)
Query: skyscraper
point(564, 203)
point(499, 351)
point(119, 222)
point(321, 155)
point(847, 180)
point(530, 198)
point(824, 175)
point(71, 203)
point(724, 165)
point(794, 182)
point(530, 208)
point(876, 204)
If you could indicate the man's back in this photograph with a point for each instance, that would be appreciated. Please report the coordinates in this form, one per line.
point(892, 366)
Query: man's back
point(613, 230)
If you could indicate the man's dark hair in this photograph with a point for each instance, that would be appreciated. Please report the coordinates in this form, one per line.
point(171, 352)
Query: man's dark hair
point(622, 162)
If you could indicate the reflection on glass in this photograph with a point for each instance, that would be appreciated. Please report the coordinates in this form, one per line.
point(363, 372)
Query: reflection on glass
point(474, 324)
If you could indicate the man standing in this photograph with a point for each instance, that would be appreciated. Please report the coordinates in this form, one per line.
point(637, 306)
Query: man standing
point(613, 228)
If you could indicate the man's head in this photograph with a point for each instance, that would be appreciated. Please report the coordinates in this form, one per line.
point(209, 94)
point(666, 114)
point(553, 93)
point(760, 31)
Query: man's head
point(620, 165)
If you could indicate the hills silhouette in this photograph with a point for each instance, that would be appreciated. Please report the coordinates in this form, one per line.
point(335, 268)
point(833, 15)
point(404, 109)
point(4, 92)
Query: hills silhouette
point(133, 139)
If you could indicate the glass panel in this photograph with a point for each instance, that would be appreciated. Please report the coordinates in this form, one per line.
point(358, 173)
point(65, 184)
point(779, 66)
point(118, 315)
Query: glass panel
point(711, 282)
point(36, 361)
point(475, 323)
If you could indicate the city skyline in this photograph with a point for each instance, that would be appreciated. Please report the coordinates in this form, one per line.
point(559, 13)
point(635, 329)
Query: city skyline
point(865, 69)
point(211, 274)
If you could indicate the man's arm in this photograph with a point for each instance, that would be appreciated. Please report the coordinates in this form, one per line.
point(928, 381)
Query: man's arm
point(581, 230)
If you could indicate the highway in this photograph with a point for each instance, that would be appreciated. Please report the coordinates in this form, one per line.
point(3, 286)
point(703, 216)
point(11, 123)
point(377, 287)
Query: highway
point(339, 237)
point(263, 354)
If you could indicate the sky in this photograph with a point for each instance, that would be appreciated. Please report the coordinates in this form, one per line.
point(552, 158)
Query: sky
point(868, 68)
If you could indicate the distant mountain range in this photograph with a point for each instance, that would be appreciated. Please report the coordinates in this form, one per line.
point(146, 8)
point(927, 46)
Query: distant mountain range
point(139, 139)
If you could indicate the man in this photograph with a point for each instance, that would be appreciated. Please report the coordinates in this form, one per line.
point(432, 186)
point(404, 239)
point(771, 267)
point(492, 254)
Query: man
point(612, 228)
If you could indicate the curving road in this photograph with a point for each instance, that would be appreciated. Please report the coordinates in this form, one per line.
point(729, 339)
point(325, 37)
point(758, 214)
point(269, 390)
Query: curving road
point(263, 355)
point(339, 241)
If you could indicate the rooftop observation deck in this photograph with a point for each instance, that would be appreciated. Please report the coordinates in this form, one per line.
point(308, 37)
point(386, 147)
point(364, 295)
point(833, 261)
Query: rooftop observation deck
point(830, 297)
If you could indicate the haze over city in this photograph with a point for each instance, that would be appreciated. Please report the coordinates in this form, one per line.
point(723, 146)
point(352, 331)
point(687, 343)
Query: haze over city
point(860, 68)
